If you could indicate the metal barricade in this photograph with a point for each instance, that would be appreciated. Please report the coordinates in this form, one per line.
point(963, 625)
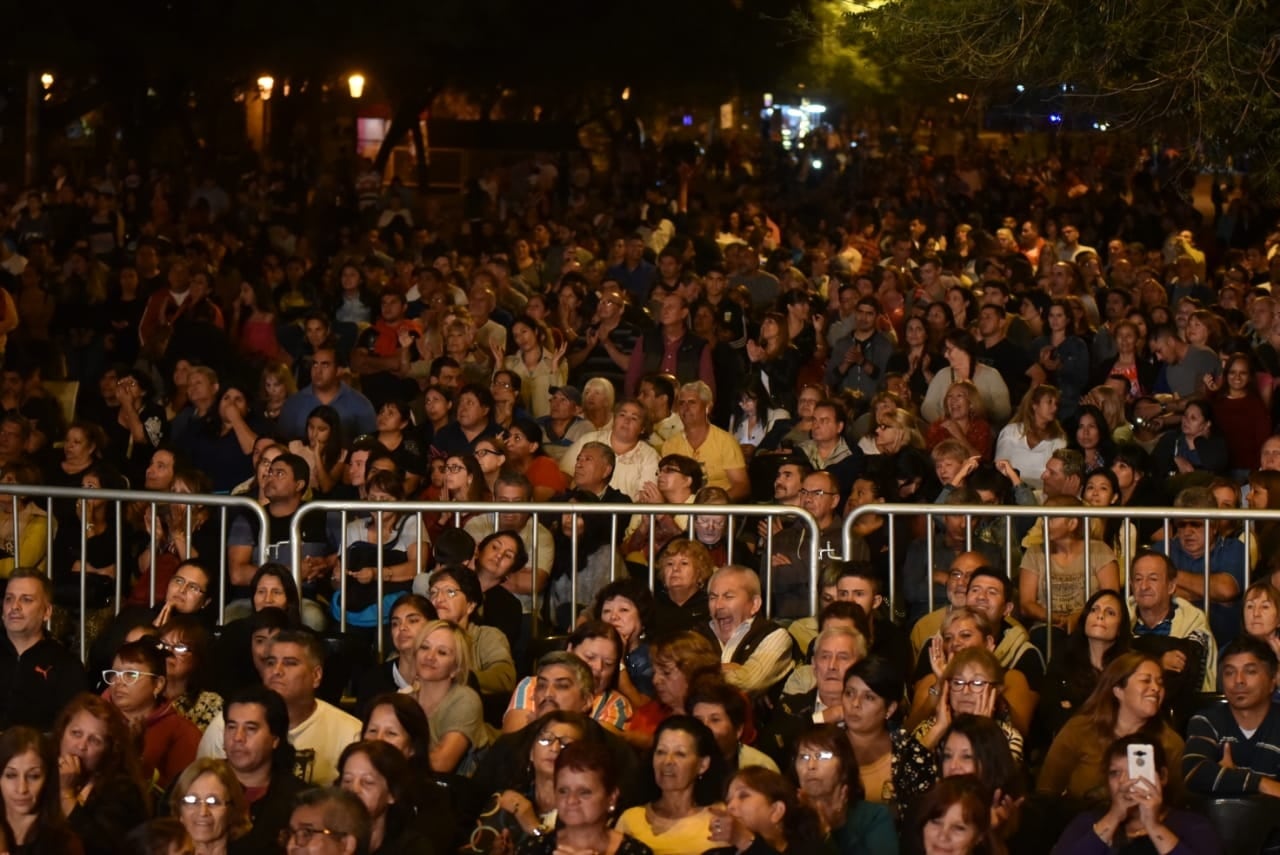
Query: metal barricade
point(1247, 516)
point(121, 498)
point(555, 509)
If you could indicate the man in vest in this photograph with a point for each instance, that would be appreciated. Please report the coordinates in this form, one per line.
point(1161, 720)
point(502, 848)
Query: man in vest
point(755, 653)
point(671, 348)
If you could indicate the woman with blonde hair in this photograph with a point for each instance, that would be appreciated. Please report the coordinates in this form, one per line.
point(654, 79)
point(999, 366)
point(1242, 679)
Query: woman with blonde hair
point(443, 661)
point(1109, 400)
point(964, 418)
point(1033, 435)
point(276, 383)
point(1066, 570)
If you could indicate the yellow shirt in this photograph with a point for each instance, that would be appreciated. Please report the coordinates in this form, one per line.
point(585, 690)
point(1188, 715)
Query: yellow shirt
point(718, 453)
point(691, 834)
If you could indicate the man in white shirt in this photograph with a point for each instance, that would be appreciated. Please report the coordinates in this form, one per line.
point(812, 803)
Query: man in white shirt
point(319, 731)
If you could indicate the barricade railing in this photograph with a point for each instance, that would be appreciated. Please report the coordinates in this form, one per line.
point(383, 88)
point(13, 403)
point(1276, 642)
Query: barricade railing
point(557, 510)
point(1247, 516)
point(121, 498)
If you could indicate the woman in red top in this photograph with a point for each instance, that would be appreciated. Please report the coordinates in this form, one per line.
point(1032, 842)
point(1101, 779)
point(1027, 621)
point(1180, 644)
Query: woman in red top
point(525, 455)
point(1240, 414)
point(135, 686)
point(254, 324)
point(964, 419)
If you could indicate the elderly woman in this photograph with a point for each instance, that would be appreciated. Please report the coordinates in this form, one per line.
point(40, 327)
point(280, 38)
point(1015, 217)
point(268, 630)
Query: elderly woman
point(686, 775)
point(627, 605)
point(135, 685)
point(587, 791)
point(456, 714)
point(597, 402)
point(211, 804)
point(681, 602)
point(455, 593)
point(1127, 700)
point(679, 478)
point(826, 773)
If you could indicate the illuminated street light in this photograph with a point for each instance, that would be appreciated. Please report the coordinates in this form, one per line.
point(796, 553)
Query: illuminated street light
point(46, 80)
point(626, 94)
point(355, 85)
point(266, 83)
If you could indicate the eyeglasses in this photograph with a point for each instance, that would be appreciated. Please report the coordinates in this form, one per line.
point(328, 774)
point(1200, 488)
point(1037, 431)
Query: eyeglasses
point(488, 452)
point(670, 470)
point(455, 468)
point(818, 493)
point(190, 800)
point(811, 756)
point(179, 649)
point(960, 685)
point(446, 592)
point(497, 384)
point(185, 585)
point(129, 678)
point(304, 834)
point(546, 740)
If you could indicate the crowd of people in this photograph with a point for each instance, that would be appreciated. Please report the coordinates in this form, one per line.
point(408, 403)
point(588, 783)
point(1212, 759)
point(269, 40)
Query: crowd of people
point(915, 328)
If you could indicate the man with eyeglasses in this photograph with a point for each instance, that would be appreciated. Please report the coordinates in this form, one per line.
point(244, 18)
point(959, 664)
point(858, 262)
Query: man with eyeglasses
point(819, 495)
point(39, 675)
point(919, 570)
point(318, 731)
point(328, 821)
point(962, 567)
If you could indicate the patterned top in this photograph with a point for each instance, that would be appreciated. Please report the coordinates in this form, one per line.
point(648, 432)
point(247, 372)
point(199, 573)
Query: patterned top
point(199, 710)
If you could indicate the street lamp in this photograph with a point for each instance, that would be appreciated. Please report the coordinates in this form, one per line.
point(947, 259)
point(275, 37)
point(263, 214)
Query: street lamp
point(46, 80)
point(266, 83)
point(355, 85)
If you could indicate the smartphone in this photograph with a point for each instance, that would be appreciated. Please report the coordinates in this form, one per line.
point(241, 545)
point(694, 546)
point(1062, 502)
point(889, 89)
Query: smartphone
point(1141, 764)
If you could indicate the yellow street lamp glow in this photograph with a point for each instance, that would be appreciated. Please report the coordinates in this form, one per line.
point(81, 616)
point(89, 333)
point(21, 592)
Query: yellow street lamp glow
point(46, 80)
point(266, 83)
point(355, 85)
point(626, 94)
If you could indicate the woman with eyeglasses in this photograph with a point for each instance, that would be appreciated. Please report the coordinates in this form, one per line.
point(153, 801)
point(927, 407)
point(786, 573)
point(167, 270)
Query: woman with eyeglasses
point(135, 685)
point(826, 773)
point(186, 644)
point(679, 479)
point(455, 593)
point(971, 685)
point(464, 481)
point(505, 388)
point(687, 770)
point(211, 804)
point(172, 546)
point(100, 785)
point(491, 452)
point(34, 823)
point(378, 775)
point(528, 806)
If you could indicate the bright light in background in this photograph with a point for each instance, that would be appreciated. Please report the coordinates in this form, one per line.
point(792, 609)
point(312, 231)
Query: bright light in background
point(1100, 126)
point(814, 109)
point(1020, 88)
point(266, 83)
point(817, 164)
point(626, 94)
point(46, 80)
point(355, 85)
point(962, 96)
point(768, 99)
point(1055, 118)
